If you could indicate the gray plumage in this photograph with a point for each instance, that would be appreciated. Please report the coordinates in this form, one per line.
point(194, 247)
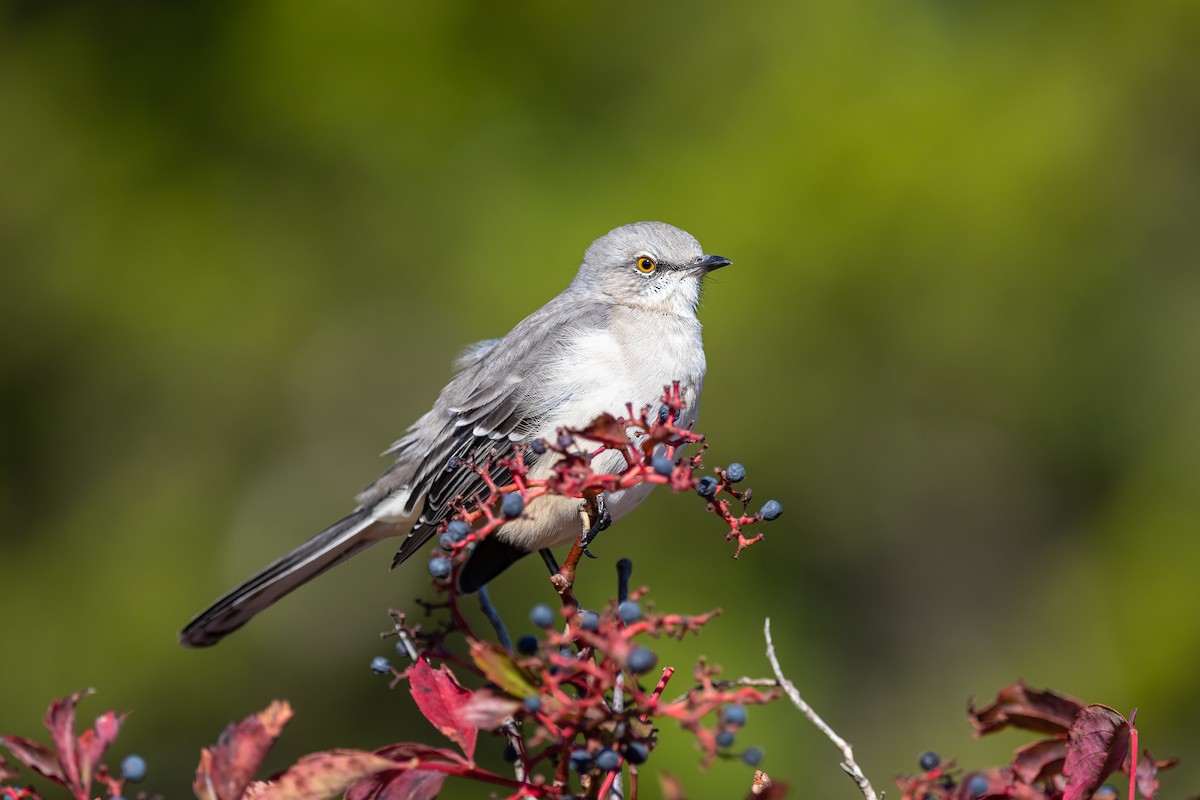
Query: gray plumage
point(622, 330)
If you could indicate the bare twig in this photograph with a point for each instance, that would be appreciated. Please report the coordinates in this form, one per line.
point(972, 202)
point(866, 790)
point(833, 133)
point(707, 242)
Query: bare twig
point(849, 764)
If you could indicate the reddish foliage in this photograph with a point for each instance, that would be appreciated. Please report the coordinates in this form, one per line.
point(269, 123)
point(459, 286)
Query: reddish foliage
point(1087, 745)
point(441, 700)
point(1098, 745)
point(226, 769)
point(74, 762)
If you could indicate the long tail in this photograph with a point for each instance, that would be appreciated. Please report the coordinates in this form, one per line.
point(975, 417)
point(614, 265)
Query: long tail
point(335, 544)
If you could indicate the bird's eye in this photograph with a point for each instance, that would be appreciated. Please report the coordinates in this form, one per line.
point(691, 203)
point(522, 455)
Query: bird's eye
point(646, 264)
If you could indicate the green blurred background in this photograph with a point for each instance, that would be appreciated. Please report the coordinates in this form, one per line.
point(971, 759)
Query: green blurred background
point(241, 243)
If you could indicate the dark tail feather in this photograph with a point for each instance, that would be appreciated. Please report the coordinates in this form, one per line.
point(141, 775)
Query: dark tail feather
point(331, 546)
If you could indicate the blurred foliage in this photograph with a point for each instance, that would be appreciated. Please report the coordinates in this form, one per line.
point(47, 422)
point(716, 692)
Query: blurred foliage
point(240, 245)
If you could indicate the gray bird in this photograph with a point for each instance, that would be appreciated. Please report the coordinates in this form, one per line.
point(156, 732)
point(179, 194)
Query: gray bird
point(622, 330)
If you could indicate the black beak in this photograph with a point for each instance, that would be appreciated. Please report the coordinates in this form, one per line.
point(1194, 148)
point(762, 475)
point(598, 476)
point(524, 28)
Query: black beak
point(706, 264)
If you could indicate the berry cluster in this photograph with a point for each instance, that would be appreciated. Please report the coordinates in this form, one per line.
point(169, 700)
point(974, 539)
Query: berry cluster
point(652, 445)
point(570, 699)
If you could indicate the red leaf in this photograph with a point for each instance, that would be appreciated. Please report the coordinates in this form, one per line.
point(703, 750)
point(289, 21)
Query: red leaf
point(6, 774)
point(606, 430)
point(408, 784)
point(1028, 709)
point(94, 742)
point(1040, 759)
point(1147, 773)
point(35, 756)
point(321, 775)
point(60, 721)
point(487, 710)
point(417, 752)
point(226, 770)
point(1099, 743)
point(409, 780)
point(440, 698)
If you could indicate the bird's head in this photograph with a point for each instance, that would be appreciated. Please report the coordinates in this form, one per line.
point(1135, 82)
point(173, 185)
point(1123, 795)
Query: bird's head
point(649, 264)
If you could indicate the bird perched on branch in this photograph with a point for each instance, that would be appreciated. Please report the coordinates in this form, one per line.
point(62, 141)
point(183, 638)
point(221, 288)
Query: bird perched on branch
point(623, 329)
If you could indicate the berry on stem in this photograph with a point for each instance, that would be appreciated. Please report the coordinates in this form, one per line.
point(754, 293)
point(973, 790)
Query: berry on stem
point(707, 486)
point(734, 715)
point(771, 510)
point(735, 472)
point(629, 612)
point(929, 760)
point(662, 465)
point(541, 616)
point(589, 621)
point(608, 760)
point(753, 756)
point(636, 753)
point(440, 567)
point(512, 505)
point(641, 659)
point(581, 760)
point(725, 739)
point(133, 768)
point(380, 665)
point(527, 645)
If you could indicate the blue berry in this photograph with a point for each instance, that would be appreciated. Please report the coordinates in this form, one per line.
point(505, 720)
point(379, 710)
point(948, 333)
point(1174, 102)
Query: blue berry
point(978, 786)
point(641, 659)
point(133, 769)
point(446, 541)
point(664, 413)
point(771, 510)
point(734, 715)
point(753, 756)
point(457, 530)
point(440, 567)
point(380, 665)
point(541, 616)
point(533, 704)
point(929, 760)
point(581, 760)
point(662, 465)
point(637, 753)
point(512, 505)
point(589, 621)
point(707, 486)
point(629, 612)
point(735, 472)
point(725, 739)
point(538, 446)
point(608, 760)
point(527, 645)
point(401, 648)
point(565, 440)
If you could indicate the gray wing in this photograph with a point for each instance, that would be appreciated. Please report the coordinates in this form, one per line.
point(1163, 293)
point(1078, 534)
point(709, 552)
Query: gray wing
point(495, 401)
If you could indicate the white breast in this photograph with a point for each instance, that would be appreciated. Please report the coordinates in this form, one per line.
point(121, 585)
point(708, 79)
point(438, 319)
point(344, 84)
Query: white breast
point(604, 371)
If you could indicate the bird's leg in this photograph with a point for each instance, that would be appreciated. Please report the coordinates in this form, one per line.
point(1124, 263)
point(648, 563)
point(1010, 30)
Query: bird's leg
point(593, 518)
point(600, 520)
point(548, 557)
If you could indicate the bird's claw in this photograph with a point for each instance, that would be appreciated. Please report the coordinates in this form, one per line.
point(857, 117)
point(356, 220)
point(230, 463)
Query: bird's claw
point(603, 521)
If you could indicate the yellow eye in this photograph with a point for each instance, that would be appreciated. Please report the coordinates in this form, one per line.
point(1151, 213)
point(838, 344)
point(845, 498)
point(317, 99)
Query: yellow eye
point(646, 264)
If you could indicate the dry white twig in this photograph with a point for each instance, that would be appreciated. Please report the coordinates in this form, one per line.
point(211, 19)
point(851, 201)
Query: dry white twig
point(849, 764)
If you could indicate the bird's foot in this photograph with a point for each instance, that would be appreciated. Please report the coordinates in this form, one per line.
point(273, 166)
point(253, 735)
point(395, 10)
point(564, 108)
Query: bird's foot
point(595, 511)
